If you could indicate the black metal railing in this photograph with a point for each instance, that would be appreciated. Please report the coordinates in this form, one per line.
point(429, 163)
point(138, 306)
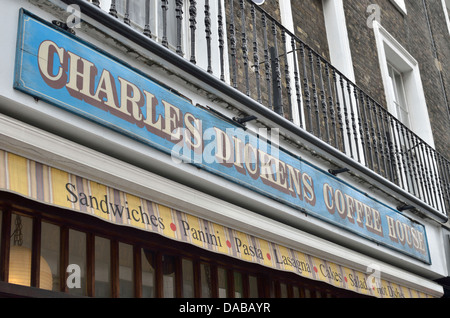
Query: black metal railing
point(250, 50)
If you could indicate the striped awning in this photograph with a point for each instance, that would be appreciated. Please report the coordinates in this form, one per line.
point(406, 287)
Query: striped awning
point(46, 184)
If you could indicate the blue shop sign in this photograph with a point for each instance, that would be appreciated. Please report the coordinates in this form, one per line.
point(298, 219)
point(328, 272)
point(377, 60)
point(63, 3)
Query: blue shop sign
point(61, 69)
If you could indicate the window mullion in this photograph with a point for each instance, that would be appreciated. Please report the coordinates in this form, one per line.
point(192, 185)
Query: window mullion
point(36, 252)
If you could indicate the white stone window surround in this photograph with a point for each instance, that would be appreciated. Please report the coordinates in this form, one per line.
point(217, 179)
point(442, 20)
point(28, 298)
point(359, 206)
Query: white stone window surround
point(200, 43)
point(446, 8)
point(391, 51)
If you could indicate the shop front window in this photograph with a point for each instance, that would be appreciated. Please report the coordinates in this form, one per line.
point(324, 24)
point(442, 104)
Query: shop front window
point(238, 287)
point(169, 287)
point(126, 283)
point(188, 278)
point(223, 282)
point(253, 286)
point(20, 250)
point(79, 262)
point(50, 252)
point(148, 273)
point(102, 267)
point(78, 257)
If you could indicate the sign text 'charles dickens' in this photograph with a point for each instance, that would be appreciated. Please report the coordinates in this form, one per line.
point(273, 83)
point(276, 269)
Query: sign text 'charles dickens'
point(65, 71)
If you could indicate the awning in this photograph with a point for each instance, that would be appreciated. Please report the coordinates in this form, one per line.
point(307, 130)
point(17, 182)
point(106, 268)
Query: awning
point(46, 184)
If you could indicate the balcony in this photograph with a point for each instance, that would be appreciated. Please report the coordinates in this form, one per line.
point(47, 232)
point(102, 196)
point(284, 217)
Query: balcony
point(244, 52)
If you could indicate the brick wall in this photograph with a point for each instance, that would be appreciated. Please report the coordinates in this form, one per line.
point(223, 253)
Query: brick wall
point(309, 25)
point(412, 32)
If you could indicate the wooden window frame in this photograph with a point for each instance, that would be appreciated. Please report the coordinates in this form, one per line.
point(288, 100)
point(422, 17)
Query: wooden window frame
point(92, 227)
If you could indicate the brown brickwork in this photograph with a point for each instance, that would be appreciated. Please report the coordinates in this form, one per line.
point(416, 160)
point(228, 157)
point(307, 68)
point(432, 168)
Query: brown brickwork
point(309, 25)
point(412, 32)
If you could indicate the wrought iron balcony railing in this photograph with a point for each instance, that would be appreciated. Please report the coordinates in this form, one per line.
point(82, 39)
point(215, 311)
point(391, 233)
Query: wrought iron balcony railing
point(248, 49)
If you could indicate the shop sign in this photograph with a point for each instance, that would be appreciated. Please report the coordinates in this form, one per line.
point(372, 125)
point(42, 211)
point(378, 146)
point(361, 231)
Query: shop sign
point(61, 69)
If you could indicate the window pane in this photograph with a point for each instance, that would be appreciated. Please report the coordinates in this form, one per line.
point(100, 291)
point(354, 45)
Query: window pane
point(272, 289)
point(102, 267)
point(296, 292)
point(205, 274)
point(398, 90)
point(20, 250)
point(126, 270)
point(50, 234)
point(307, 293)
point(168, 263)
point(148, 274)
point(283, 290)
point(223, 282)
point(188, 278)
point(238, 285)
point(253, 284)
point(77, 257)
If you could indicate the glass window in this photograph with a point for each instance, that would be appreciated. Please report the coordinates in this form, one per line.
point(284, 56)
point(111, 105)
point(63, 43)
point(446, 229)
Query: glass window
point(1, 220)
point(307, 293)
point(102, 267)
point(77, 260)
point(20, 250)
point(253, 285)
point(126, 282)
point(283, 290)
point(168, 263)
point(272, 289)
point(50, 254)
point(296, 292)
point(148, 274)
point(400, 4)
point(238, 286)
point(223, 282)
point(205, 274)
point(188, 278)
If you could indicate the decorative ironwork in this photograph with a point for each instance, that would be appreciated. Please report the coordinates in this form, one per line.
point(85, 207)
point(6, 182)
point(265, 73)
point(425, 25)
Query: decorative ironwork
point(325, 104)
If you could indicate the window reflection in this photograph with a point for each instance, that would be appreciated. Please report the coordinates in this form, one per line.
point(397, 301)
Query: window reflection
point(102, 267)
point(20, 250)
point(238, 288)
point(253, 285)
point(77, 256)
point(188, 278)
point(168, 264)
point(148, 273)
